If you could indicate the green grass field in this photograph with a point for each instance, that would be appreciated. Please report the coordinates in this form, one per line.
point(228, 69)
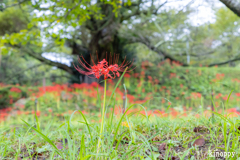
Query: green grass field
point(149, 123)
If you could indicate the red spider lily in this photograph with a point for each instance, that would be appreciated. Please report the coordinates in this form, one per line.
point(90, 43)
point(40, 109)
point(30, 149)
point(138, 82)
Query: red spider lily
point(219, 76)
point(140, 101)
point(130, 98)
point(176, 63)
point(163, 100)
point(196, 95)
point(38, 113)
point(197, 115)
point(164, 87)
point(136, 75)
point(11, 101)
point(108, 69)
point(217, 97)
point(94, 84)
point(17, 90)
point(172, 75)
point(225, 97)
point(168, 61)
point(139, 84)
point(156, 81)
point(20, 112)
point(169, 92)
point(174, 113)
point(150, 78)
point(127, 75)
point(199, 72)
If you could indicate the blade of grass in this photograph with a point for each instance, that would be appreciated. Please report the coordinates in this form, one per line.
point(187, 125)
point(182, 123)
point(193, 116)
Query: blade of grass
point(116, 86)
point(111, 119)
point(45, 138)
point(119, 123)
point(86, 123)
point(228, 99)
point(82, 148)
point(37, 121)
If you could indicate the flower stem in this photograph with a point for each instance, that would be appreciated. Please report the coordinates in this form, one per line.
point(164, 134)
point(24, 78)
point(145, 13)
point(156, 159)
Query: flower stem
point(103, 113)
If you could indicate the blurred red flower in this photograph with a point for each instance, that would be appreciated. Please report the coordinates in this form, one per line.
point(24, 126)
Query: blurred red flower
point(238, 94)
point(127, 75)
point(14, 89)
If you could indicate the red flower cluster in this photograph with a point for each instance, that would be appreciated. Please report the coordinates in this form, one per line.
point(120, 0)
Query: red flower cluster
point(196, 95)
point(14, 89)
point(238, 94)
point(235, 80)
point(102, 68)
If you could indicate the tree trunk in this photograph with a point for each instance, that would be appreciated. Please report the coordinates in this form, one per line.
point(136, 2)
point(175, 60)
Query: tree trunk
point(102, 44)
point(105, 42)
point(233, 5)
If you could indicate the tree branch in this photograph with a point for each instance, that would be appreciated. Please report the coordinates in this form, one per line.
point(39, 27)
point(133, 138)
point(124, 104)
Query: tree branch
point(35, 55)
point(233, 5)
point(226, 62)
point(21, 72)
point(138, 12)
point(166, 56)
point(155, 12)
point(15, 4)
point(146, 42)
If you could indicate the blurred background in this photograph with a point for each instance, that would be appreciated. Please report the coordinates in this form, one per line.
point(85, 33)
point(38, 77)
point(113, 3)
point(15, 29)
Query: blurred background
point(183, 50)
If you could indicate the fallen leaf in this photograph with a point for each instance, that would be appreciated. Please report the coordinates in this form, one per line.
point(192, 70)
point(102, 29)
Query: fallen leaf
point(196, 129)
point(199, 142)
point(39, 154)
point(174, 158)
point(156, 138)
point(200, 129)
point(162, 147)
point(59, 146)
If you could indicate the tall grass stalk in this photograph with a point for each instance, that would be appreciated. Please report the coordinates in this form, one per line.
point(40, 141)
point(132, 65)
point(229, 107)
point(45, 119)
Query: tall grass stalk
point(103, 113)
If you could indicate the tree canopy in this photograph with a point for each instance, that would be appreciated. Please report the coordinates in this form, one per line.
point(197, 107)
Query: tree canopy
point(34, 30)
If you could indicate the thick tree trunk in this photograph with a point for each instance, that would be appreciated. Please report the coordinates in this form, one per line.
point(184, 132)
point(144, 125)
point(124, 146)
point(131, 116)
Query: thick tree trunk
point(105, 42)
point(100, 47)
point(233, 5)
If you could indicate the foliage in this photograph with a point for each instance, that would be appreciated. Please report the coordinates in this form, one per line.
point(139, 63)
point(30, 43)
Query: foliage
point(10, 94)
point(173, 84)
point(12, 20)
point(76, 28)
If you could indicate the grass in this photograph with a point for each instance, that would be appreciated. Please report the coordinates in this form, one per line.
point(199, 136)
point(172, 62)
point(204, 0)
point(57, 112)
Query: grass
point(132, 136)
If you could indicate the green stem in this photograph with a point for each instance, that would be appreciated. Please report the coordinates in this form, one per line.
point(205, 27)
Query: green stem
point(103, 113)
